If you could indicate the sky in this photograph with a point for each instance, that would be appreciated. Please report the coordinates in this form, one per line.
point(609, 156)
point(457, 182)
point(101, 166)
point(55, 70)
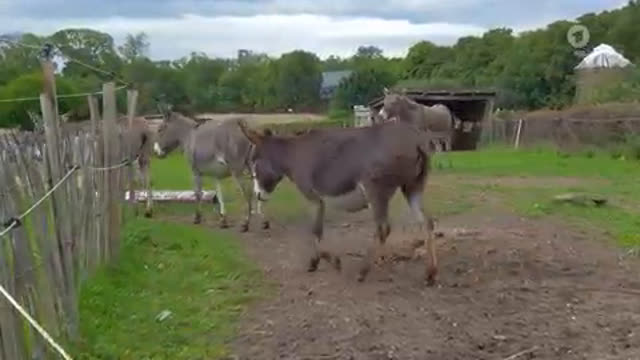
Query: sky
point(220, 27)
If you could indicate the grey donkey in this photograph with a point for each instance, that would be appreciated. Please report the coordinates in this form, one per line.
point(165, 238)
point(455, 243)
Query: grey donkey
point(216, 149)
point(326, 163)
point(438, 120)
point(139, 143)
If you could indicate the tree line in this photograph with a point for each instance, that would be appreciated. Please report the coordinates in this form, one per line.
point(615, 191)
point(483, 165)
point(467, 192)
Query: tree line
point(529, 70)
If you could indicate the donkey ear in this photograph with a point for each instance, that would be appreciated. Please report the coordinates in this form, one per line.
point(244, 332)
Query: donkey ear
point(165, 111)
point(267, 132)
point(251, 134)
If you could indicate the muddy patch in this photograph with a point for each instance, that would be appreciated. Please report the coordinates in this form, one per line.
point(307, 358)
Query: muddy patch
point(506, 286)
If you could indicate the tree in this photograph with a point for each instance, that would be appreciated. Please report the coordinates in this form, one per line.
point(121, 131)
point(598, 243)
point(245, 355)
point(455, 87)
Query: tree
point(202, 76)
point(30, 85)
point(88, 47)
point(369, 52)
point(134, 47)
point(424, 58)
point(299, 80)
point(361, 87)
point(16, 60)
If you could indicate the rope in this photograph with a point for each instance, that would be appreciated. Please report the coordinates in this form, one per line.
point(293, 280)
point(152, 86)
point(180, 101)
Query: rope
point(17, 221)
point(114, 167)
point(14, 222)
point(34, 98)
point(10, 225)
point(37, 326)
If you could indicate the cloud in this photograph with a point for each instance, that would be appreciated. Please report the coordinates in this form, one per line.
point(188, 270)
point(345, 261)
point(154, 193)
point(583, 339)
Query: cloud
point(272, 34)
point(220, 27)
point(478, 12)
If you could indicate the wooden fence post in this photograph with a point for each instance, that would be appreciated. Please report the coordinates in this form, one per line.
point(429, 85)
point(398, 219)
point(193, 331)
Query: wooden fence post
point(97, 247)
point(518, 133)
point(132, 99)
point(112, 218)
point(59, 199)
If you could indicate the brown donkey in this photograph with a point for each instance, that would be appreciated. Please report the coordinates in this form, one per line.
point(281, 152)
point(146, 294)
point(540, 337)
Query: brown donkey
point(330, 162)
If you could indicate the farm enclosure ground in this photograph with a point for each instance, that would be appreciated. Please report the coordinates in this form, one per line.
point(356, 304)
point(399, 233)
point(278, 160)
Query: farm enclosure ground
point(524, 272)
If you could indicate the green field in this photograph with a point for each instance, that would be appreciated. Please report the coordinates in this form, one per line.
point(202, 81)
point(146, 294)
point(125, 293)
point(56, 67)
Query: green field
point(204, 279)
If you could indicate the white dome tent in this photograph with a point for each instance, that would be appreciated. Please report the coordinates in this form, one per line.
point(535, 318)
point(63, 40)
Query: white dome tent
point(603, 56)
point(601, 68)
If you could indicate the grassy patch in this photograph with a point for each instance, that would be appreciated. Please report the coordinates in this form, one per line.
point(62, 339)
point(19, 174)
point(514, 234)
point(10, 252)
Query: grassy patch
point(541, 161)
point(596, 173)
point(201, 277)
point(204, 280)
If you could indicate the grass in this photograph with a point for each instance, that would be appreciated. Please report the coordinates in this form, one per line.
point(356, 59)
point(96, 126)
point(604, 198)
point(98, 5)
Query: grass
point(203, 278)
point(200, 276)
point(594, 172)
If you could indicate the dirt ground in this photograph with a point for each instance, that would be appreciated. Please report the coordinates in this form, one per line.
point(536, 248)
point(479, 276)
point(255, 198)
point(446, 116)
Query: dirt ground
point(508, 288)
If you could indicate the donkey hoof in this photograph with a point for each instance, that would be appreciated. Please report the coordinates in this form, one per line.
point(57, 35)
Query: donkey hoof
point(197, 219)
point(244, 227)
point(313, 264)
point(431, 276)
point(148, 213)
point(362, 275)
point(224, 224)
point(337, 263)
point(266, 225)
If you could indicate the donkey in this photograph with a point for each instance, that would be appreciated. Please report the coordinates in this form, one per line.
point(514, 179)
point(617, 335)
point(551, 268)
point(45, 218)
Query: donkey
point(138, 142)
point(378, 159)
point(215, 149)
point(437, 119)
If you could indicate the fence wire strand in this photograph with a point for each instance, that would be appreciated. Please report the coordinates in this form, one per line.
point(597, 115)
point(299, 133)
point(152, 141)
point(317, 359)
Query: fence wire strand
point(15, 222)
point(69, 58)
point(34, 323)
point(63, 96)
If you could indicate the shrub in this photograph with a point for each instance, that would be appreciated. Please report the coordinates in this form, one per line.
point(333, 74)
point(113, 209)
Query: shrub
point(14, 114)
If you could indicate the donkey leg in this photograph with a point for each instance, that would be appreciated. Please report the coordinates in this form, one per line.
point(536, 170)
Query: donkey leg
point(247, 194)
point(317, 231)
point(265, 222)
point(414, 199)
point(132, 191)
point(148, 211)
point(197, 181)
point(379, 199)
point(221, 207)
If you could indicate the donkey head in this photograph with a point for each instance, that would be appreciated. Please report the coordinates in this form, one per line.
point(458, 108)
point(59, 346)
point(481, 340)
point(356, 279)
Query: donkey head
point(172, 131)
point(266, 168)
point(393, 104)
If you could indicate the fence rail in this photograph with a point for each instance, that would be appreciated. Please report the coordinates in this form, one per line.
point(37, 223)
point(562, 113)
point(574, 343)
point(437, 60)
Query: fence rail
point(61, 200)
point(565, 132)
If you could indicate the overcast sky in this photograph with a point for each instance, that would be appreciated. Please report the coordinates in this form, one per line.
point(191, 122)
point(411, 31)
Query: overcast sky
point(220, 27)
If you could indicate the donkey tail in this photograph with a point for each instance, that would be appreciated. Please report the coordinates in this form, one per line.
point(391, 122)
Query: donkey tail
point(423, 163)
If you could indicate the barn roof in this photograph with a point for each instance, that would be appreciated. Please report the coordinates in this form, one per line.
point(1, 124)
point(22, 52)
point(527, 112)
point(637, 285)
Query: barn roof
point(442, 95)
point(603, 56)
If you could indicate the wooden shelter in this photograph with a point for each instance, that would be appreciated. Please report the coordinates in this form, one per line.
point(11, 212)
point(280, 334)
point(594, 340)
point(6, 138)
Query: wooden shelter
point(471, 108)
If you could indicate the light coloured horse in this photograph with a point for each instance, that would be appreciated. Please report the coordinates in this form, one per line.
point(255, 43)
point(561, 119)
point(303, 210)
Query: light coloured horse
point(216, 149)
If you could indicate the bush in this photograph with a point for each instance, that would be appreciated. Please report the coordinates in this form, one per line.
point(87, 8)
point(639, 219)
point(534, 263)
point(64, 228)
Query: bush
point(13, 114)
point(625, 91)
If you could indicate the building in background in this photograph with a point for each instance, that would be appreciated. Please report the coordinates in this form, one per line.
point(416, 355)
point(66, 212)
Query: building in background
point(330, 82)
